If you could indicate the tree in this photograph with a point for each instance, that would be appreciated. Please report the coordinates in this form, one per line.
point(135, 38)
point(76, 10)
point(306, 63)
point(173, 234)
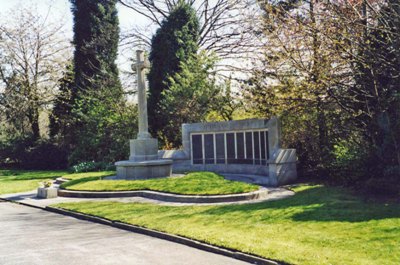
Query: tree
point(191, 95)
point(60, 118)
point(33, 50)
point(174, 42)
point(294, 81)
point(373, 98)
point(96, 35)
point(98, 108)
point(227, 28)
point(331, 72)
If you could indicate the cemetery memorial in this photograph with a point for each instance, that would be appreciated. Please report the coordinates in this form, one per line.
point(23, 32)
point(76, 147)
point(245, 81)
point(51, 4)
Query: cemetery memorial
point(246, 147)
point(143, 162)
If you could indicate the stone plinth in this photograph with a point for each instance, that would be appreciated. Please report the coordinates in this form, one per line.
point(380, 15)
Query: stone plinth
point(144, 169)
point(143, 149)
point(47, 193)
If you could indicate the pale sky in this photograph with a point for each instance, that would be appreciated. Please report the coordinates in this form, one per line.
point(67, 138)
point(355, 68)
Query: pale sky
point(60, 9)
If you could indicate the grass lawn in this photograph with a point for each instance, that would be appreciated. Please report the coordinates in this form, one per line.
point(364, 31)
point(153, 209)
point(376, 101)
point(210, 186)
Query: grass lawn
point(91, 175)
point(198, 183)
point(13, 181)
point(319, 225)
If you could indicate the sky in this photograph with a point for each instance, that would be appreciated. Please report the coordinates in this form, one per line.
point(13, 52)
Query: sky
point(60, 9)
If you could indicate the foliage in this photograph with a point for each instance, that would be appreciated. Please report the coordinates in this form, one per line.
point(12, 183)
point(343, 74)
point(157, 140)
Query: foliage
point(96, 35)
point(226, 27)
point(102, 120)
point(91, 166)
point(294, 82)
point(46, 184)
point(192, 93)
point(108, 125)
point(197, 183)
point(28, 153)
point(318, 225)
point(60, 118)
point(332, 76)
point(174, 42)
point(32, 54)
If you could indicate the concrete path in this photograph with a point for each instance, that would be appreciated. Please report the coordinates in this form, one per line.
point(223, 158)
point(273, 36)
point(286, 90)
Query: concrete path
point(32, 236)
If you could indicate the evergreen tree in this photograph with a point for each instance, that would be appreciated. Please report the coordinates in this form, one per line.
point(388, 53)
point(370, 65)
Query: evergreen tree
point(174, 42)
point(60, 118)
point(98, 106)
point(96, 35)
point(191, 95)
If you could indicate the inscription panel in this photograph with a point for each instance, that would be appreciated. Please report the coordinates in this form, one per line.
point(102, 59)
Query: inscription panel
point(197, 145)
point(230, 148)
point(220, 147)
point(241, 147)
point(209, 148)
point(256, 140)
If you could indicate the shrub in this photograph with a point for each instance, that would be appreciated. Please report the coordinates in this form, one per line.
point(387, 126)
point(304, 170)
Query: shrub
point(25, 153)
point(92, 166)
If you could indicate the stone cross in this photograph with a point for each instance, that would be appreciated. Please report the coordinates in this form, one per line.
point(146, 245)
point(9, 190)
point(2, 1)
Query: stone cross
point(142, 64)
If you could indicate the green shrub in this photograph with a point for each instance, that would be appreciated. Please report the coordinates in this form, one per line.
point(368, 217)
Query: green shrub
point(92, 166)
point(26, 153)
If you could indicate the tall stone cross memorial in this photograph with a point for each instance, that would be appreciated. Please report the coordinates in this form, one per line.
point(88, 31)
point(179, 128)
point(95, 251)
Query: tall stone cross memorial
point(140, 66)
point(143, 160)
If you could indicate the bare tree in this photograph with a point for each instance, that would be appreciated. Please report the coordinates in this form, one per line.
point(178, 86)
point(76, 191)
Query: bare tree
point(33, 52)
point(227, 27)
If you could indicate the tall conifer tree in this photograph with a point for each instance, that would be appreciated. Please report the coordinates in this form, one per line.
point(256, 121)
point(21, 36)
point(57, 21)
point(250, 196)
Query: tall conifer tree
point(97, 94)
point(174, 42)
point(96, 35)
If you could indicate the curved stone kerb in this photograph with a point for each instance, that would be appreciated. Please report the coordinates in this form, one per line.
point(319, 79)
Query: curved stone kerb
point(168, 197)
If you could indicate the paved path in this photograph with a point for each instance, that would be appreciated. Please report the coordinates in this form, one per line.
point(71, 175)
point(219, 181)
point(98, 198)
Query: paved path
point(32, 236)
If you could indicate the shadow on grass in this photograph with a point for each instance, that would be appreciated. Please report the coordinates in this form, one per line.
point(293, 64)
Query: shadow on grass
point(316, 203)
point(78, 181)
point(16, 175)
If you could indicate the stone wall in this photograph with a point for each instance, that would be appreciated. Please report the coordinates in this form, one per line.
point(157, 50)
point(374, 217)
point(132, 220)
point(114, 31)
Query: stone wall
point(279, 164)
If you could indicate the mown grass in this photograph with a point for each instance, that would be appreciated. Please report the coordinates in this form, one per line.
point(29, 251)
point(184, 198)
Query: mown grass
point(319, 225)
point(13, 181)
point(84, 175)
point(196, 183)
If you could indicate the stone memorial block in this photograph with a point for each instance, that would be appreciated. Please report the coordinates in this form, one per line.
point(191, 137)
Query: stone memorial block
point(241, 147)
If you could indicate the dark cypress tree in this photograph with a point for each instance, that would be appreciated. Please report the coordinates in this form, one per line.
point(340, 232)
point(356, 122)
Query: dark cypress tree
point(97, 94)
point(96, 35)
point(174, 42)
